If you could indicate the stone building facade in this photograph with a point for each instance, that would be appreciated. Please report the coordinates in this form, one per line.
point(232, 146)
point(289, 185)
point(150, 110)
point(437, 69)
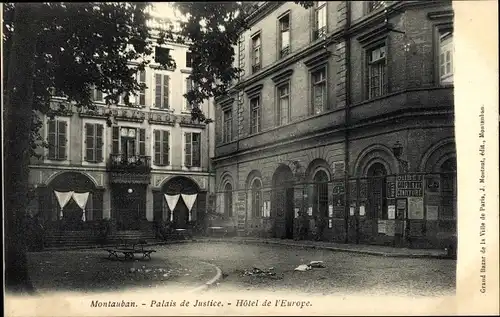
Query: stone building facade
point(151, 149)
point(342, 123)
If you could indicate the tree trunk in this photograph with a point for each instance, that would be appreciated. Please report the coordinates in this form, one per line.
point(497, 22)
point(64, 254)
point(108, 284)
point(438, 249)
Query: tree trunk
point(18, 109)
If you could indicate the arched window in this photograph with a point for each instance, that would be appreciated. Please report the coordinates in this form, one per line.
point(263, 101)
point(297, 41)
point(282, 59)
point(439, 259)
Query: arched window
point(228, 200)
point(256, 198)
point(321, 193)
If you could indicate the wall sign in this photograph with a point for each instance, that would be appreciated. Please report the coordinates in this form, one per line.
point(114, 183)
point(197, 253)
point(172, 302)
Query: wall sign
point(351, 211)
point(415, 207)
point(362, 210)
point(409, 186)
point(391, 212)
point(432, 212)
point(391, 189)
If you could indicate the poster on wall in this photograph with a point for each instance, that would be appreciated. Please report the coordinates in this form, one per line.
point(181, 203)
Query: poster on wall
point(310, 211)
point(390, 229)
point(382, 226)
point(415, 207)
point(351, 211)
point(330, 211)
point(362, 210)
point(391, 211)
point(296, 212)
point(330, 223)
point(432, 212)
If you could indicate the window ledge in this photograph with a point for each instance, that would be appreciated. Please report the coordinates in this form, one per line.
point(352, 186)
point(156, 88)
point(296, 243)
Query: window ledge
point(162, 109)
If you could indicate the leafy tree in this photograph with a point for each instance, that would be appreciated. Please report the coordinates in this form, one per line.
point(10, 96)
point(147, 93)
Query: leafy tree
point(68, 49)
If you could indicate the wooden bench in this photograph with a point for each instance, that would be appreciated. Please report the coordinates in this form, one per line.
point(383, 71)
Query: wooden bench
point(129, 252)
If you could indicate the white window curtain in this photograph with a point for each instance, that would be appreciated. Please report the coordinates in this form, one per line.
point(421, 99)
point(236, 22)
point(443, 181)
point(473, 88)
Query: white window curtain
point(81, 200)
point(189, 201)
point(172, 202)
point(63, 198)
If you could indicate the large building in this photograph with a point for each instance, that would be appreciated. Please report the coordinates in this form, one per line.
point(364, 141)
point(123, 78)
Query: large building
point(151, 164)
point(341, 127)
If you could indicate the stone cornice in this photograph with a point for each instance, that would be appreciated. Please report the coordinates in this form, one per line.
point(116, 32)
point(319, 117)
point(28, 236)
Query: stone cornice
point(316, 59)
point(255, 89)
point(262, 11)
point(283, 75)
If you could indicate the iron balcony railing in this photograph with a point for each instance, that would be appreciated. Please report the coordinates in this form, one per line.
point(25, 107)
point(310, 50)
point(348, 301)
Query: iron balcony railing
point(130, 162)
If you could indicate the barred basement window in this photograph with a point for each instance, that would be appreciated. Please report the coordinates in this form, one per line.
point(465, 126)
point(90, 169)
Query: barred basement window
point(377, 72)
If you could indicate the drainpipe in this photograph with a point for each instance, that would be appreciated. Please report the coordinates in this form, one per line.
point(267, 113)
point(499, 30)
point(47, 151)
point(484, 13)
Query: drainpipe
point(347, 118)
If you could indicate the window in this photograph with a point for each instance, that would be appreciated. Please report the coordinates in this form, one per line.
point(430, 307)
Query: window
point(375, 5)
point(142, 93)
point(320, 201)
point(189, 86)
point(227, 132)
point(257, 198)
point(97, 95)
point(446, 56)
point(320, 25)
point(283, 109)
point(319, 91)
point(228, 200)
point(189, 59)
point(192, 149)
point(93, 142)
point(256, 53)
point(377, 72)
point(57, 131)
point(161, 148)
point(284, 35)
point(162, 55)
point(162, 91)
point(126, 141)
point(255, 115)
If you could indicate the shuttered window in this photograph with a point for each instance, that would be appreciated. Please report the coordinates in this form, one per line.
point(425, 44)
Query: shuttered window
point(161, 148)
point(142, 92)
point(192, 149)
point(161, 91)
point(57, 139)
point(93, 142)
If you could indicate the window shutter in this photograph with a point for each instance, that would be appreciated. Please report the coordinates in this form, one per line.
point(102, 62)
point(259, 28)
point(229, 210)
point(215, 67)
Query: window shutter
point(116, 140)
point(157, 147)
point(98, 142)
point(189, 87)
point(89, 142)
point(158, 91)
point(187, 149)
point(166, 82)
point(51, 138)
point(142, 142)
point(61, 139)
point(165, 148)
point(142, 93)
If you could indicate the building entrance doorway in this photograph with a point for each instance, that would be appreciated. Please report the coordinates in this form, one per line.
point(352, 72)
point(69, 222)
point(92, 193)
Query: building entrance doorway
point(283, 202)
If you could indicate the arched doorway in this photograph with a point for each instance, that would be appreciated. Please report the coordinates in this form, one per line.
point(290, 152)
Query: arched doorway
point(228, 200)
point(448, 170)
point(180, 185)
point(71, 215)
point(283, 202)
point(377, 199)
point(320, 198)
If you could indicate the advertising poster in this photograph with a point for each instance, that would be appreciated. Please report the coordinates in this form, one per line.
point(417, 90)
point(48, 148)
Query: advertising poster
point(416, 207)
point(432, 212)
point(362, 210)
point(391, 212)
point(351, 211)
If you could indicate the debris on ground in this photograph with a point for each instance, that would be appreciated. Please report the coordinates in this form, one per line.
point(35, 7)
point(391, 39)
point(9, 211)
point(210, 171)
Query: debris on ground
point(316, 264)
point(303, 268)
point(257, 272)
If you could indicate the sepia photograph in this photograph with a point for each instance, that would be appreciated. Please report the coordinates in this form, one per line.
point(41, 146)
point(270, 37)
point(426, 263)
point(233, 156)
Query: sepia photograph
point(253, 158)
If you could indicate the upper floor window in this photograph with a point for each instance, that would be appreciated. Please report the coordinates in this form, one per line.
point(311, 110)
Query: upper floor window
point(93, 142)
point(162, 55)
point(128, 141)
point(283, 108)
point(257, 198)
point(97, 95)
point(189, 59)
point(161, 147)
point(320, 26)
point(192, 149)
point(142, 93)
point(375, 5)
point(446, 56)
point(227, 133)
point(57, 138)
point(255, 114)
point(377, 72)
point(256, 53)
point(319, 91)
point(284, 35)
point(162, 91)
